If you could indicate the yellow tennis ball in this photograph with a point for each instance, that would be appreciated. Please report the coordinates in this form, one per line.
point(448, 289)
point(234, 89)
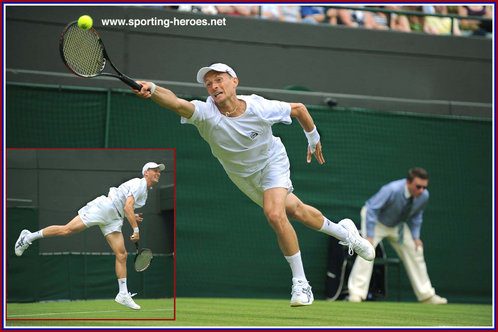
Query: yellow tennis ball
point(85, 22)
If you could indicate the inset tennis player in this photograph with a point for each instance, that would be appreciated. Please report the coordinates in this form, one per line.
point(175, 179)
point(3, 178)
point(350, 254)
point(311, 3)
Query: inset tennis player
point(107, 212)
point(238, 130)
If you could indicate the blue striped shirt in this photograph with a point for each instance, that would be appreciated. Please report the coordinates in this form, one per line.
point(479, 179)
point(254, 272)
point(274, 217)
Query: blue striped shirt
point(387, 205)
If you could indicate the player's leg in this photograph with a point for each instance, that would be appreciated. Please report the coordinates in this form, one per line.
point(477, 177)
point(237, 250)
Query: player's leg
point(312, 218)
point(76, 225)
point(345, 230)
point(116, 242)
point(274, 209)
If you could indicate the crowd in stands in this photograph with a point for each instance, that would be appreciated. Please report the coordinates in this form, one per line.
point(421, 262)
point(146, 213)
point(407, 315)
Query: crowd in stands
point(356, 16)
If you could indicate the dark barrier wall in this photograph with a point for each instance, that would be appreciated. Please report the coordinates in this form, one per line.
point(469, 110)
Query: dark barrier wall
point(46, 187)
point(225, 246)
point(267, 54)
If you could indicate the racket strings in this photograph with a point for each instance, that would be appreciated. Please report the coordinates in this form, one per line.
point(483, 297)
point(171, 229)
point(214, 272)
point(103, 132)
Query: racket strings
point(143, 260)
point(83, 51)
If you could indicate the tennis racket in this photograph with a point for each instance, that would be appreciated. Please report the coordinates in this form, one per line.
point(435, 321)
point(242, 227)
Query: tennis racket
point(84, 54)
point(142, 258)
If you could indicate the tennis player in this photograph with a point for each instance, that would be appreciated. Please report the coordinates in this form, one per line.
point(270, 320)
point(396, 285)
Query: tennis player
point(238, 130)
point(107, 212)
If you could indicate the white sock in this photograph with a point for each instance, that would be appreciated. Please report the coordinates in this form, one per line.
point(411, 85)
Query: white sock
point(334, 230)
point(34, 236)
point(296, 265)
point(123, 289)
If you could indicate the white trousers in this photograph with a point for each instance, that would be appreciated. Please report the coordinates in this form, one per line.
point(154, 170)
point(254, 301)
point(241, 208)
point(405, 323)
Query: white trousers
point(413, 260)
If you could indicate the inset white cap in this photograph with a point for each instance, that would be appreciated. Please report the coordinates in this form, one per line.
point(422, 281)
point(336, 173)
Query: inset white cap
point(220, 67)
point(152, 164)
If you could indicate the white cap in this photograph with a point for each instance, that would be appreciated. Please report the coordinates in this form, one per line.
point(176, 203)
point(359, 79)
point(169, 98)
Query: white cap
point(150, 165)
point(220, 67)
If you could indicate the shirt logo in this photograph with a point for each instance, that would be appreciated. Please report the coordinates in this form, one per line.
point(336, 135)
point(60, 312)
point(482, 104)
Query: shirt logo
point(253, 135)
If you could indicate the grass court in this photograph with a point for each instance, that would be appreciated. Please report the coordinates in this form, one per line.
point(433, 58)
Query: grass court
point(225, 312)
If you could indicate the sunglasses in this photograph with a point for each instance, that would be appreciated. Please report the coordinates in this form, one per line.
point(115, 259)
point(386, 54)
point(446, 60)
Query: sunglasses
point(420, 187)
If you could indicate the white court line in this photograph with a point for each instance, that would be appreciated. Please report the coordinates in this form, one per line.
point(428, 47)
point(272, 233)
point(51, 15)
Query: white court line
point(80, 312)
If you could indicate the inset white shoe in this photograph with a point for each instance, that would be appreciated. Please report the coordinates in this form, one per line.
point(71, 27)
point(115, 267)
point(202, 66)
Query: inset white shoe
point(22, 243)
point(301, 293)
point(354, 298)
point(436, 299)
point(126, 300)
point(356, 243)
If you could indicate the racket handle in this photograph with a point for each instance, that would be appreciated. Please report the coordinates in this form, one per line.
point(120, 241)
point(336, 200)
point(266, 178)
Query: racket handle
point(136, 245)
point(130, 82)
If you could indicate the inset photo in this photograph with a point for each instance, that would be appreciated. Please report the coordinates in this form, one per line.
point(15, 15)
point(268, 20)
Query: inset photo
point(90, 236)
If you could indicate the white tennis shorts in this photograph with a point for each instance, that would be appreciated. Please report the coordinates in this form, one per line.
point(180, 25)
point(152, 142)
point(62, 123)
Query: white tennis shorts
point(274, 175)
point(101, 212)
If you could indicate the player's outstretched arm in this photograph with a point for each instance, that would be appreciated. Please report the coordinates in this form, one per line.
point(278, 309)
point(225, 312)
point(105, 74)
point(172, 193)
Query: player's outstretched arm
point(300, 112)
point(166, 98)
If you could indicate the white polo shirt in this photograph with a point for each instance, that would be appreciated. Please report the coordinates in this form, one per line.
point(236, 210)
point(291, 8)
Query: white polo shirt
point(243, 144)
point(136, 187)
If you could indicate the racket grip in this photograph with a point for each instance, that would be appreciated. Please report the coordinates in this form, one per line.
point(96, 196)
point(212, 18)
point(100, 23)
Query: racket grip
point(130, 82)
point(136, 245)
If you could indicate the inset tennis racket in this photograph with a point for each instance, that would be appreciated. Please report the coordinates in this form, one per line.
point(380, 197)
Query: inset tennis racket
point(142, 258)
point(84, 54)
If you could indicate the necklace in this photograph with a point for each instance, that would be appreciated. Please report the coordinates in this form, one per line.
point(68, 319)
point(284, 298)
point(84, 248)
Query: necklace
point(234, 110)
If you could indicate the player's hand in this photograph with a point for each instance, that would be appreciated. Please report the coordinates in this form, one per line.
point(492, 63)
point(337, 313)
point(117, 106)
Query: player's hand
point(135, 237)
point(418, 244)
point(138, 217)
point(318, 154)
point(145, 91)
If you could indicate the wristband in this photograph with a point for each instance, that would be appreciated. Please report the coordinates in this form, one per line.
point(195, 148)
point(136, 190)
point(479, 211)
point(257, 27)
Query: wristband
point(136, 230)
point(313, 139)
point(152, 89)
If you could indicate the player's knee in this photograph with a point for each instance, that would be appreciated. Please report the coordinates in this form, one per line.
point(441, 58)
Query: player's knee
point(276, 219)
point(122, 256)
point(295, 211)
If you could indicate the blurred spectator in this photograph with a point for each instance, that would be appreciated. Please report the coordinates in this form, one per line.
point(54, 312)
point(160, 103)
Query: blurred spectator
point(440, 25)
point(210, 10)
point(475, 27)
point(452, 10)
point(383, 21)
point(376, 20)
point(238, 10)
point(352, 18)
point(271, 12)
point(332, 15)
point(399, 22)
point(290, 13)
point(312, 14)
point(416, 22)
point(168, 7)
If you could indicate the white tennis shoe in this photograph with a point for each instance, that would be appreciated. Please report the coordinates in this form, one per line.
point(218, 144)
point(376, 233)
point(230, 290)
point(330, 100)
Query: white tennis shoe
point(22, 243)
point(301, 293)
point(356, 243)
point(354, 298)
point(436, 299)
point(126, 300)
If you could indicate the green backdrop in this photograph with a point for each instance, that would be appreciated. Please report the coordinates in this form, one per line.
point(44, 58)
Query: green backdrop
point(224, 246)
